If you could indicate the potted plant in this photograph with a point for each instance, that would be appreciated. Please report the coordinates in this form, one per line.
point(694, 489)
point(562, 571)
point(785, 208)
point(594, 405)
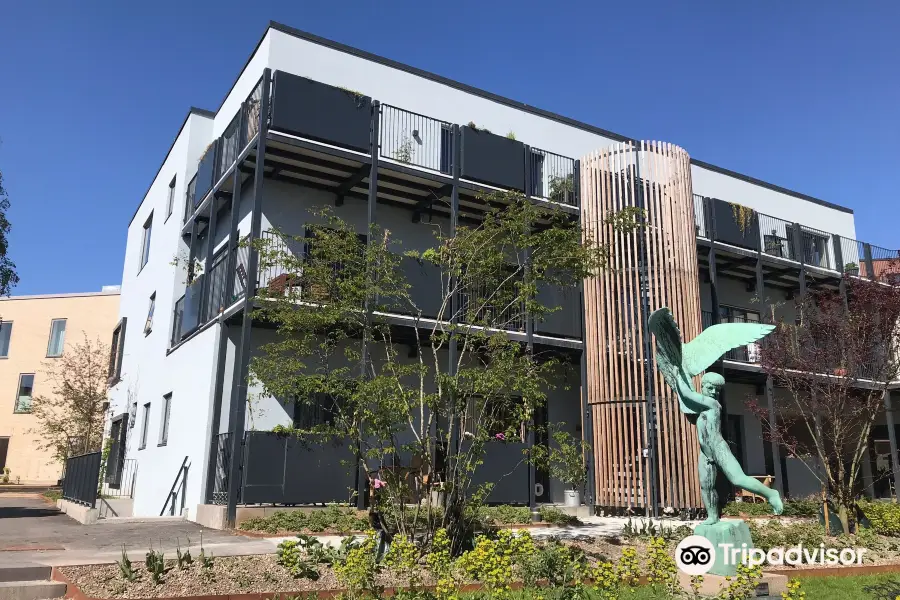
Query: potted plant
point(851, 268)
point(565, 459)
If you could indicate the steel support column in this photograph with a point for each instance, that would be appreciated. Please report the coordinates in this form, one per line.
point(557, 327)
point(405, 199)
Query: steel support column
point(362, 477)
point(222, 352)
point(529, 345)
point(892, 437)
point(242, 356)
point(776, 449)
point(453, 282)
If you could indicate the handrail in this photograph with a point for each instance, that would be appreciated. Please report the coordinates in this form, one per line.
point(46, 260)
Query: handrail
point(172, 495)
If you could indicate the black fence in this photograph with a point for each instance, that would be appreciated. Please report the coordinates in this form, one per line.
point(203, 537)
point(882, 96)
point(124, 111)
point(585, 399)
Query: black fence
point(82, 479)
point(414, 139)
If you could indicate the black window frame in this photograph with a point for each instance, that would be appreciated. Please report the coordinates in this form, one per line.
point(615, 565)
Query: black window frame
point(170, 200)
point(146, 237)
point(151, 309)
point(116, 352)
point(145, 426)
point(166, 413)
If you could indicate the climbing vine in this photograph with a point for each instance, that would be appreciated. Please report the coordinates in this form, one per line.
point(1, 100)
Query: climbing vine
point(743, 216)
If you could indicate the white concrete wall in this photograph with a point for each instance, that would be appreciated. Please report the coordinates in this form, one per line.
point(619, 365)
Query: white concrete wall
point(147, 373)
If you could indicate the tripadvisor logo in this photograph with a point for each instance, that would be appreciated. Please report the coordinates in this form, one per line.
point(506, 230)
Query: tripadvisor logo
point(696, 555)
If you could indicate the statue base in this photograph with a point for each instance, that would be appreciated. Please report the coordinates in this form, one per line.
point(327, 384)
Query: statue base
point(726, 534)
point(770, 586)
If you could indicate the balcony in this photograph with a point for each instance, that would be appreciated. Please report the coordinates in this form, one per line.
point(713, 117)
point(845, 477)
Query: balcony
point(746, 354)
point(210, 294)
point(749, 232)
point(321, 136)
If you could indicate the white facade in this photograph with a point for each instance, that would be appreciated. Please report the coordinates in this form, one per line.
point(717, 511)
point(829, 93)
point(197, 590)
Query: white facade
point(150, 370)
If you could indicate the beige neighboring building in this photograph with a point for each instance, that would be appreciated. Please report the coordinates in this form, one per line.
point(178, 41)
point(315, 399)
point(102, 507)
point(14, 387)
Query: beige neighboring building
point(34, 330)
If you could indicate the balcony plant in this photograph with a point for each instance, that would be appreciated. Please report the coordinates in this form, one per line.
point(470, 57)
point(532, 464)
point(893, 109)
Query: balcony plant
point(851, 268)
point(562, 188)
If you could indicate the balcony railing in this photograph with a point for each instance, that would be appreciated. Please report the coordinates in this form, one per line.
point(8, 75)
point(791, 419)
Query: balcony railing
point(414, 139)
point(801, 243)
point(552, 177)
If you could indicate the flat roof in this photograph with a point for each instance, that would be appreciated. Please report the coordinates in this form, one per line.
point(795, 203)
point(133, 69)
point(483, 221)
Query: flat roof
point(310, 37)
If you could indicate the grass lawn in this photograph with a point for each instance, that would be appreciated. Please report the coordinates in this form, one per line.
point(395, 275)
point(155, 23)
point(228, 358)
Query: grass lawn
point(864, 587)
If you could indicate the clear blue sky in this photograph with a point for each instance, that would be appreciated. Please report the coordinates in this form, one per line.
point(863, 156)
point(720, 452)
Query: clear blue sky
point(803, 94)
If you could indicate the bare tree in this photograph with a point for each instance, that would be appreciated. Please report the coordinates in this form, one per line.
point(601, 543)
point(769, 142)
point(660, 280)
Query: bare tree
point(837, 364)
point(71, 418)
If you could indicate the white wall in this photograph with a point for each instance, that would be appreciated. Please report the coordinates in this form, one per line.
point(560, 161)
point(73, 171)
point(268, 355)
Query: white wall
point(147, 373)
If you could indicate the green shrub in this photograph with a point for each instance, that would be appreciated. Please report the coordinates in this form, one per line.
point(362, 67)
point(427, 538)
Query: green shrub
point(291, 557)
point(773, 534)
point(504, 514)
point(796, 507)
point(883, 517)
point(802, 507)
point(52, 495)
point(340, 519)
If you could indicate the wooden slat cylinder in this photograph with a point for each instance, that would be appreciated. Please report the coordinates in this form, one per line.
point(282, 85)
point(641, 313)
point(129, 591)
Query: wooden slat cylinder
point(654, 266)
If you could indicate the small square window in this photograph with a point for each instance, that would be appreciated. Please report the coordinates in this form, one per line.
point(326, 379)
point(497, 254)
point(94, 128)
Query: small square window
point(26, 389)
point(164, 425)
point(170, 201)
point(5, 335)
point(148, 326)
point(57, 338)
point(145, 426)
point(145, 241)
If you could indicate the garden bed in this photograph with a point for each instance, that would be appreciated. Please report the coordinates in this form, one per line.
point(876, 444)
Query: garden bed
point(335, 520)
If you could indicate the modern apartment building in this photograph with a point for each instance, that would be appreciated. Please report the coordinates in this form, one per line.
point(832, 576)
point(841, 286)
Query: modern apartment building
point(310, 123)
point(34, 331)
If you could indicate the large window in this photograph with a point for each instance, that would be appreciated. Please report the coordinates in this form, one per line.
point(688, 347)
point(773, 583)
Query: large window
point(26, 389)
point(5, 335)
point(170, 201)
point(164, 423)
point(116, 350)
point(145, 426)
point(57, 338)
point(145, 241)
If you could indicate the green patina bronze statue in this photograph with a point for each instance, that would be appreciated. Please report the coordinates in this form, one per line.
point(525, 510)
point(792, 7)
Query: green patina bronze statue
point(679, 363)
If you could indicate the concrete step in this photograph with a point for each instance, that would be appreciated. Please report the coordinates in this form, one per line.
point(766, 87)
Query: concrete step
point(24, 572)
point(31, 590)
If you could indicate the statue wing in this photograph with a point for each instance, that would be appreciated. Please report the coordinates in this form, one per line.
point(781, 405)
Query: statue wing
point(668, 344)
point(715, 341)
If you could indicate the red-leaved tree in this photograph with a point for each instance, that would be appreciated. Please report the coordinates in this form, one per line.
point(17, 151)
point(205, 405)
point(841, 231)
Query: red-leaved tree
point(836, 364)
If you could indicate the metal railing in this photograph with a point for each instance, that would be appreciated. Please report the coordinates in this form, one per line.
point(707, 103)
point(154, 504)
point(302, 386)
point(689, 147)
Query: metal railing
point(274, 273)
point(82, 478)
point(121, 483)
point(552, 177)
point(414, 139)
point(189, 198)
point(172, 496)
point(476, 309)
point(817, 248)
point(214, 289)
point(776, 237)
point(223, 466)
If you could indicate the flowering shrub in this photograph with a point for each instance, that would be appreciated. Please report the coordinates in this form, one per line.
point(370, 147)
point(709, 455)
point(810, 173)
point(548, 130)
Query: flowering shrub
point(357, 572)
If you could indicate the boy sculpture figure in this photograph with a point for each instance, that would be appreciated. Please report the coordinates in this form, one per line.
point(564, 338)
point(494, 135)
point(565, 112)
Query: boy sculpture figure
point(680, 362)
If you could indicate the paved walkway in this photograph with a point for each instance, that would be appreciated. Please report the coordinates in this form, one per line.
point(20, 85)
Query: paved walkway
point(32, 529)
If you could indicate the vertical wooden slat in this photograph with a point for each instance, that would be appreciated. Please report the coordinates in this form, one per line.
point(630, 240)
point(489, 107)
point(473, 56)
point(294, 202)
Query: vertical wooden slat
point(615, 322)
